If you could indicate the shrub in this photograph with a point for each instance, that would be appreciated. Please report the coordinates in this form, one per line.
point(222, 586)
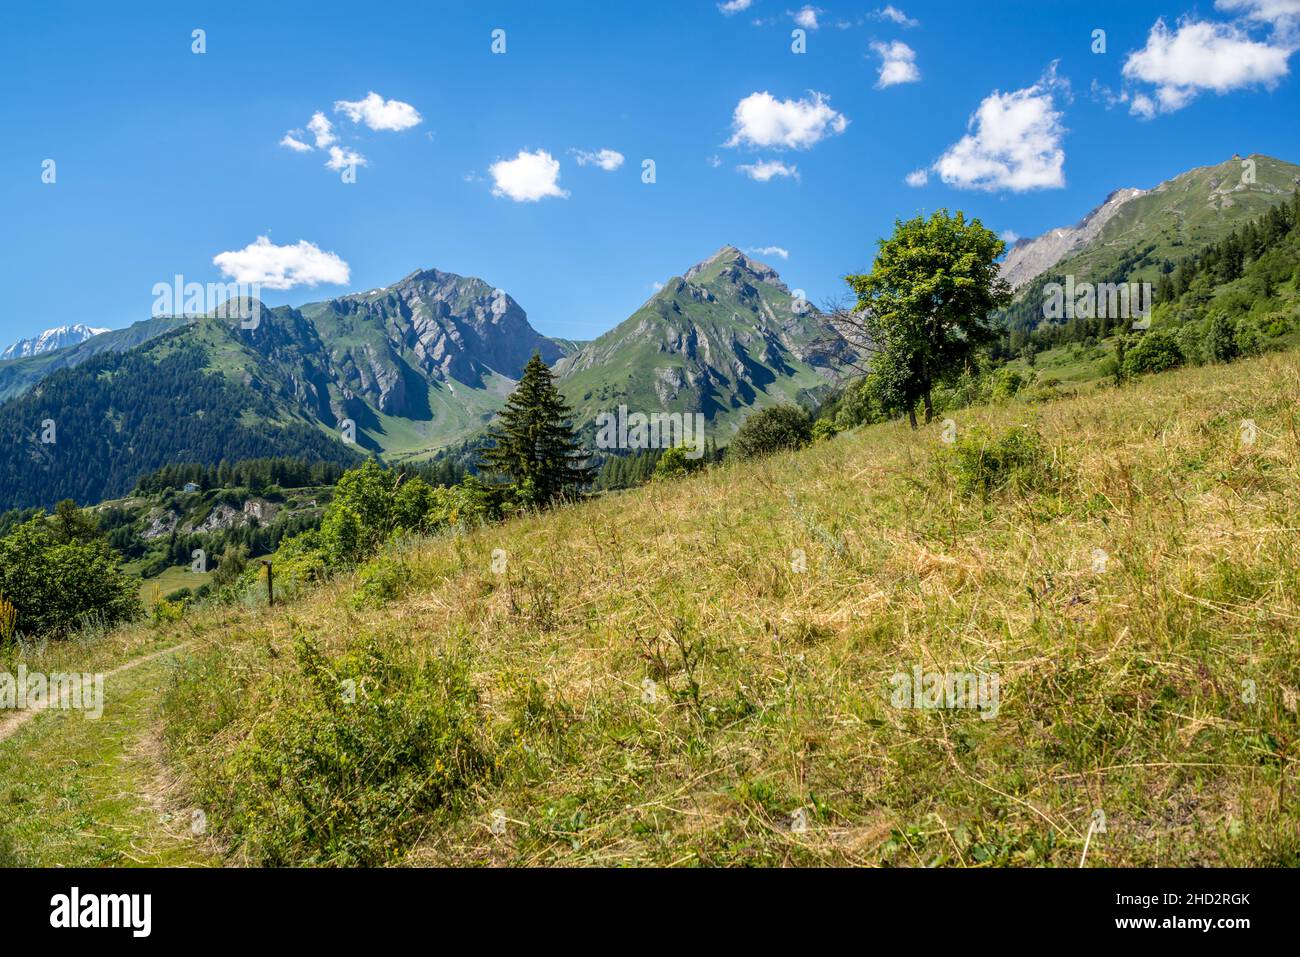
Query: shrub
point(1191, 343)
point(776, 429)
point(675, 463)
point(301, 559)
point(1015, 460)
point(1007, 381)
point(1221, 339)
point(824, 429)
point(166, 612)
point(1156, 351)
point(346, 766)
point(380, 581)
point(230, 566)
point(857, 407)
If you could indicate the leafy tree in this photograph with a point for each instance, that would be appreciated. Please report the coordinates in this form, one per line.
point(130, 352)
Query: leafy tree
point(71, 524)
point(775, 429)
point(925, 309)
point(360, 516)
point(535, 446)
point(824, 429)
point(56, 585)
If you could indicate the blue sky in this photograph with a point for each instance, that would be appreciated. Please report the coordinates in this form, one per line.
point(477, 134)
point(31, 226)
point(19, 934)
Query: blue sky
point(166, 159)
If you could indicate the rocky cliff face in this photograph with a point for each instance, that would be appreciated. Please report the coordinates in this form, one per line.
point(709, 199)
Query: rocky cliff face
point(1032, 257)
point(384, 345)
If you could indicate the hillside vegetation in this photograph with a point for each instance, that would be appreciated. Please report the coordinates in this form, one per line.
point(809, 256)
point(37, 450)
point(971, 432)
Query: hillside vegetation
point(702, 670)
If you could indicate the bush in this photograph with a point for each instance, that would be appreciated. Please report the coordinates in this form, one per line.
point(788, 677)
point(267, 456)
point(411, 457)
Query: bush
point(675, 463)
point(776, 429)
point(824, 429)
point(1007, 382)
point(348, 762)
point(369, 507)
point(857, 406)
point(1191, 343)
point(1156, 351)
point(381, 580)
point(1014, 461)
point(166, 612)
point(54, 586)
point(230, 565)
point(1221, 339)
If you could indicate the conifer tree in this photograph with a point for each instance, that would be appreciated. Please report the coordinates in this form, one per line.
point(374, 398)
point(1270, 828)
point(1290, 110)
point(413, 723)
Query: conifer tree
point(535, 446)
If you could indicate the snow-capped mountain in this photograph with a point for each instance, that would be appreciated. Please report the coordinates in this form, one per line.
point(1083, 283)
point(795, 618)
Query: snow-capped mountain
point(49, 340)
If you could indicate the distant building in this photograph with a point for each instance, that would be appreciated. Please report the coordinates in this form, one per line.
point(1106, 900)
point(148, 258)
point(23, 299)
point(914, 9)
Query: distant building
point(192, 487)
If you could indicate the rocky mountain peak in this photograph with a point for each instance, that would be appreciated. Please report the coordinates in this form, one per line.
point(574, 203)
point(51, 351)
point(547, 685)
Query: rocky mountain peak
point(731, 264)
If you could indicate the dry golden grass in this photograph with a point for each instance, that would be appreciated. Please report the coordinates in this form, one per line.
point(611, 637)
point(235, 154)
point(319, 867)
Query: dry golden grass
point(1124, 690)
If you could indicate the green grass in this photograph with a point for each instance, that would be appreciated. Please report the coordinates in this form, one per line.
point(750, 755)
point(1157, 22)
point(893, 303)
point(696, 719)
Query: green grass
point(169, 580)
point(76, 792)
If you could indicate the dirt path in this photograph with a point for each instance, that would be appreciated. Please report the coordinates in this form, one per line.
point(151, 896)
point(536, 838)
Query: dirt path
point(95, 793)
point(11, 724)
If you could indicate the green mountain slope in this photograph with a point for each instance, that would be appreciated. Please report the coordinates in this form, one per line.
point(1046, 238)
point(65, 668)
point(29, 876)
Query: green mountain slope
point(725, 338)
point(197, 394)
point(1145, 236)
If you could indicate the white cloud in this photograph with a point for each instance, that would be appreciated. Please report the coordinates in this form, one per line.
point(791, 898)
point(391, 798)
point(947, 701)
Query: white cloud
point(1198, 56)
point(656, 286)
point(769, 251)
point(1284, 15)
point(341, 158)
point(762, 120)
point(766, 170)
point(917, 178)
point(1014, 142)
point(895, 15)
point(1103, 94)
point(1143, 106)
point(734, 6)
point(806, 17)
point(1009, 236)
point(897, 64)
point(291, 140)
point(528, 177)
point(715, 161)
point(282, 267)
point(323, 129)
point(379, 114)
point(608, 160)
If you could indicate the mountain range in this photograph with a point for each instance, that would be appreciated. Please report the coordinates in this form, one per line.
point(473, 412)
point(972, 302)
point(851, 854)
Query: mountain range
point(403, 371)
point(424, 364)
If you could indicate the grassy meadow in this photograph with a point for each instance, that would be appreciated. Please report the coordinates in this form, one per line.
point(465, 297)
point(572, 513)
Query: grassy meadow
point(699, 672)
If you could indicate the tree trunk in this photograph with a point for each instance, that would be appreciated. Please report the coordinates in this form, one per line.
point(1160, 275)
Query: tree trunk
point(911, 416)
point(929, 407)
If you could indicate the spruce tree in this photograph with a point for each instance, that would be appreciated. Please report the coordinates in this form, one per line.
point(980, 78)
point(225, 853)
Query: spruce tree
point(535, 447)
